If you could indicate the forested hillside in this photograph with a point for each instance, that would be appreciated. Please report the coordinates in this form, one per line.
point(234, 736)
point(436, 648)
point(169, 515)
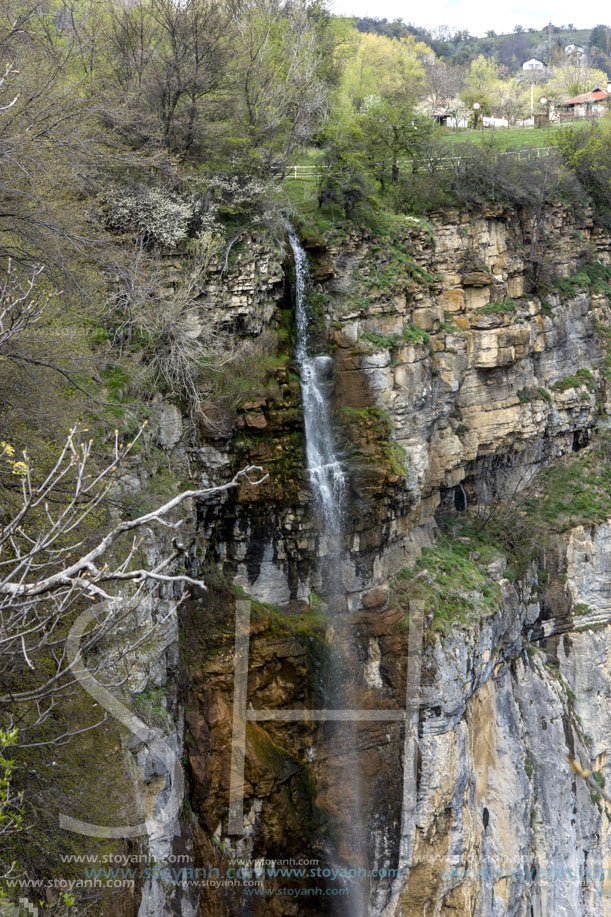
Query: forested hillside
point(509, 50)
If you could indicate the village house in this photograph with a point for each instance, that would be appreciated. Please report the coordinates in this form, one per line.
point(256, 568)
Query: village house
point(448, 113)
point(574, 49)
point(533, 63)
point(587, 105)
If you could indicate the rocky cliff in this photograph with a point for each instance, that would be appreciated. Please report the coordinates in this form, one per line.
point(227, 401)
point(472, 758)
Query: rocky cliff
point(470, 390)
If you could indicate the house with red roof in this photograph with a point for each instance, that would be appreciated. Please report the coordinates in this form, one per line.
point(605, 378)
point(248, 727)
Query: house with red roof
point(588, 104)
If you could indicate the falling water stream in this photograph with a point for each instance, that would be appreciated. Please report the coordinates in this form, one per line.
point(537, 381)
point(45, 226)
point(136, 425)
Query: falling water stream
point(324, 467)
point(328, 483)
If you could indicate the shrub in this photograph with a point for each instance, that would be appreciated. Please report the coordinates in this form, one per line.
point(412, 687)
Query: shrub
point(469, 174)
point(585, 152)
point(341, 179)
point(497, 308)
point(532, 393)
point(569, 286)
point(583, 376)
point(155, 215)
point(574, 491)
point(177, 329)
point(411, 334)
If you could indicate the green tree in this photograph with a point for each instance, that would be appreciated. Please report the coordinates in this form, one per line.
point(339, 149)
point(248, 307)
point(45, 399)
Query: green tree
point(573, 77)
point(600, 37)
point(586, 153)
point(384, 68)
point(342, 177)
point(510, 99)
point(11, 818)
point(391, 131)
point(481, 83)
point(11, 808)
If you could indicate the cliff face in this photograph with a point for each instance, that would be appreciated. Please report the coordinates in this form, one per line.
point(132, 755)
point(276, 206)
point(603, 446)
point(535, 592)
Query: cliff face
point(480, 391)
point(501, 825)
point(454, 386)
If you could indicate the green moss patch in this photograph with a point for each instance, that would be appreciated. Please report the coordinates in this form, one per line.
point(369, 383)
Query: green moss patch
point(452, 580)
point(498, 308)
point(369, 434)
point(576, 490)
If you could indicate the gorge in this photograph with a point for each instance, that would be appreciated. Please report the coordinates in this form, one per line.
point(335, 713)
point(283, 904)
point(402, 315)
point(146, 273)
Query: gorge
point(453, 390)
point(432, 430)
point(305, 464)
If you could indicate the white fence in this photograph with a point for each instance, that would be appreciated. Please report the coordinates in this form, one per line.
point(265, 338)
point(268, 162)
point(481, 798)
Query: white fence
point(307, 173)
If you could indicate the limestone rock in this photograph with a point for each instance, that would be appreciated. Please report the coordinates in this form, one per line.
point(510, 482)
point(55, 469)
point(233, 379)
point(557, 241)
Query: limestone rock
point(170, 425)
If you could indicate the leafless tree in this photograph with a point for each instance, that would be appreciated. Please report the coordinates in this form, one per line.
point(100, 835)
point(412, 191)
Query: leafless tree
point(21, 303)
point(134, 38)
point(45, 137)
point(9, 71)
point(280, 96)
point(171, 57)
point(444, 83)
point(53, 561)
point(178, 321)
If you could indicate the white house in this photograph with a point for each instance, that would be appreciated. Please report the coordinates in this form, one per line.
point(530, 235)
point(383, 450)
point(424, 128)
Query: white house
point(574, 49)
point(533, 63)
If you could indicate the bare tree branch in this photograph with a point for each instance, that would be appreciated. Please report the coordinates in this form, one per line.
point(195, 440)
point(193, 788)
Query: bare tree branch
point(47, 568)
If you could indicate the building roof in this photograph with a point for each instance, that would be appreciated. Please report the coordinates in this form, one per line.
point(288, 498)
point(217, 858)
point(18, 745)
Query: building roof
point(597, 95)
point(532, 60)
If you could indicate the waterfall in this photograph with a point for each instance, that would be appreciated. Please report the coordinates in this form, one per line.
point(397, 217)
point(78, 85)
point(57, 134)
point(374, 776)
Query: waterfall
point(324, 467)
point(328, 483)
